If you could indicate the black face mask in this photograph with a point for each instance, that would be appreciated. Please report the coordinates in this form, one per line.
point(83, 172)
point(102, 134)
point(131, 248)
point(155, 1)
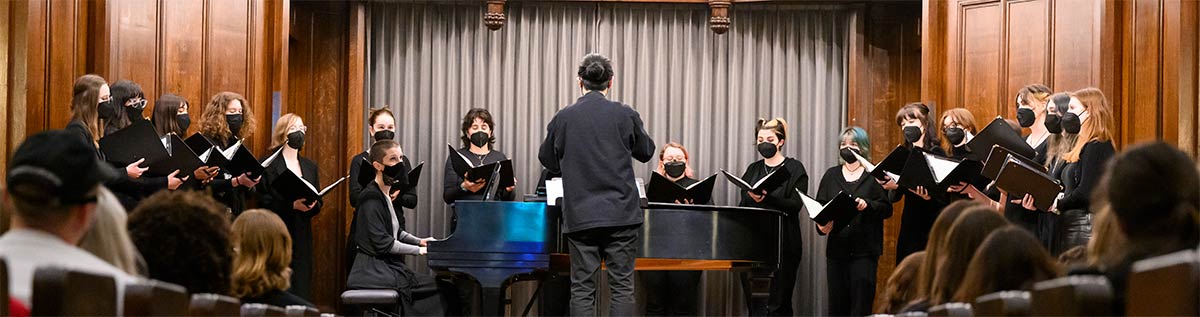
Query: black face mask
point(384, 135)
point(955, 135)
point(135, 110)
point(106, 110)
point(1071, 123)
point(1053, 123)
point(674, 169)
point(480, 138)
point(767, 149)
point(395, 174)
point(295, 140)
point(235, 123)
point(1025, 117)
point(912, 134)
point(184, 121)
point(848, 155)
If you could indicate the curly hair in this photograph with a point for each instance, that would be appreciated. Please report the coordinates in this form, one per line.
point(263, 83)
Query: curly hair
point(264, 250)
point(184, 237)
point(212, 118)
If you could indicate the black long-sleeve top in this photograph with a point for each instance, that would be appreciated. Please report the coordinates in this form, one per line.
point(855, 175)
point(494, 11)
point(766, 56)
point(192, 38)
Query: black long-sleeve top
point(917, 218)
point(590, 143)
point(452, 182)
point(221, 186)
point(864, 235)
point(1088, 170)
point(783, 198)
point(407, 199)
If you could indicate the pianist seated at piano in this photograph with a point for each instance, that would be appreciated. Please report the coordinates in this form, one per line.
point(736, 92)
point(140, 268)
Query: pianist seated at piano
point(672, 293)
point(771, 136)
point(382, 243)
point(477, 140)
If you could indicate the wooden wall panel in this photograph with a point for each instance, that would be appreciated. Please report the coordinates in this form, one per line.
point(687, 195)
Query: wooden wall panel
point(182, 63)
point(62, 62)
point(1026, 51)
point(6, 28)
point(1075, 29)
point(979, 83)
point(318, 75)
point(135, 45)
point(227, 47)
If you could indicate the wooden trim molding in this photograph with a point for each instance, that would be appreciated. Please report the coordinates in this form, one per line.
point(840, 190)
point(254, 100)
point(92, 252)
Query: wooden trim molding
point(718, 19)
point(494, 18)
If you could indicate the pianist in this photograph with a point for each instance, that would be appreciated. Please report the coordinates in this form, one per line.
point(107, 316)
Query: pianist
point(382, 243)
point(590, 143)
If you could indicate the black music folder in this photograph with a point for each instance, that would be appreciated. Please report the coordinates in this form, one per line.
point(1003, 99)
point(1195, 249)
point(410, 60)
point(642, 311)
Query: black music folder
point(293, 187)
point(414, 175)
point(1018, 179)
point(998, 133)
point(366, 175)
point(890, 167)
point(137, 141)
point(462, 165)
point(766, 184)
point(937, 173)
point(663, 190)
point(181, 158)
point(840, 210)
point(1001, 155)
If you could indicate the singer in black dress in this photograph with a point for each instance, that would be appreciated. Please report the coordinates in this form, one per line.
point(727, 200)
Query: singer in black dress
point(477, 142)
point(297, 214)
point(920, 209)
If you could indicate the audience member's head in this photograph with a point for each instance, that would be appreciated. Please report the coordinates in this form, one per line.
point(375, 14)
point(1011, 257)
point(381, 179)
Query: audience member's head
point(1154, 219)
point(963, 239)
point(1010, 258)
point(264, 251)
point(108, 238)
point(52, 183)
point(1074, 257)
point(901, 287)
point(184, 237)
point(933, 248)
point(1107, 241)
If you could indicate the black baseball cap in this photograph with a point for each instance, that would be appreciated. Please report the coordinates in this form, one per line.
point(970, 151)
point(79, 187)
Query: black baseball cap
point(57, 165)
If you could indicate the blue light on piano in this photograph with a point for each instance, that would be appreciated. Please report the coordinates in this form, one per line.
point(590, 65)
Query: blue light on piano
point(528, 225)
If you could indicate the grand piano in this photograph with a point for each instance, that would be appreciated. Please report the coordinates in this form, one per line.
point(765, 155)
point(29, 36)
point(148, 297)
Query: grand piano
point(498, 243)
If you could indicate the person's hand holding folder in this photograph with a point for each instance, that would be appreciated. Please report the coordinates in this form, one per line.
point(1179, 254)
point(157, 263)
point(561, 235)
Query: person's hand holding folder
point(299, 205)
point(205, 174)
point(757, 197)
point(826, 228)
point(473, 186)
point(173, 182)
point(920, 191)
point(134, 170)
point(862, 204)
point(246, 181)
point(889, 184)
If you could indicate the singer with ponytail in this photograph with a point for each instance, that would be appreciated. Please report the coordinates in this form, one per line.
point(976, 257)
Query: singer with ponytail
point(771, 136)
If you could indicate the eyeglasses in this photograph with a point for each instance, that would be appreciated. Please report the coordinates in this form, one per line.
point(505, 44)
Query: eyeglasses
point(298, 128)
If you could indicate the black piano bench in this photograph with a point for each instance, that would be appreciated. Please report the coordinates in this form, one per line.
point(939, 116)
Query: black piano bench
point(371, 302)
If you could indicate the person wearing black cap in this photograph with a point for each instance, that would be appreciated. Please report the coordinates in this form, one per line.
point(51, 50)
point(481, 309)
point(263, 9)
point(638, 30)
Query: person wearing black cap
point(589, 143)
point(53, 181)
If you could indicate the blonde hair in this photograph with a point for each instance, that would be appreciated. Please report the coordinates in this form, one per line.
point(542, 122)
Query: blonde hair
point(108, 238)
point(1097, 127)
point(687, 159)
point(961, 116)
point(264, 251)
point(279, 135)
point(777, 125)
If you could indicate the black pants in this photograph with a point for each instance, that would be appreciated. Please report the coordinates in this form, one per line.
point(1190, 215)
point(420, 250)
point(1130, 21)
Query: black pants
point(617, 248)
point(851, 285)
point(670, 293)
point(779, 303)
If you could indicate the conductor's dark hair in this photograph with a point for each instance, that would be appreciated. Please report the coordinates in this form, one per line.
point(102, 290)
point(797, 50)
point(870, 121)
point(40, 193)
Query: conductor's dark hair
point(379, 150)
point(596, 72)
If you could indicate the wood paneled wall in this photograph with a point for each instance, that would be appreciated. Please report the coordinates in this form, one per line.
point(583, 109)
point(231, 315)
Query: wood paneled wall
point(1141, 53)
point(325, 81)
point(885, 74)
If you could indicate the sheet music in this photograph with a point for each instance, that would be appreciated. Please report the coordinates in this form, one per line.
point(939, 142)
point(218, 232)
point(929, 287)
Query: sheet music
point(641, 187)
point(204, 156)
point(228, 153)
point(271, 158)
point(739, 180)
point(813, 206)
point(464, 157)
point(554, 191)
point(867, 164)
point(893, 176)
point(765, 178)
point(700, 182)
point(941, 167)
point(327, 188)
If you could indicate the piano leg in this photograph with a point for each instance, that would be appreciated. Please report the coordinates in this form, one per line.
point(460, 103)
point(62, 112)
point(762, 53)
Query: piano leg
point(493, 301)
point(756, 287)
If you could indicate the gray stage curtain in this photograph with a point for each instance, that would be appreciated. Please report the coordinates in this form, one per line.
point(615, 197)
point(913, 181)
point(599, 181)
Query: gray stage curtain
point(432, 61)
